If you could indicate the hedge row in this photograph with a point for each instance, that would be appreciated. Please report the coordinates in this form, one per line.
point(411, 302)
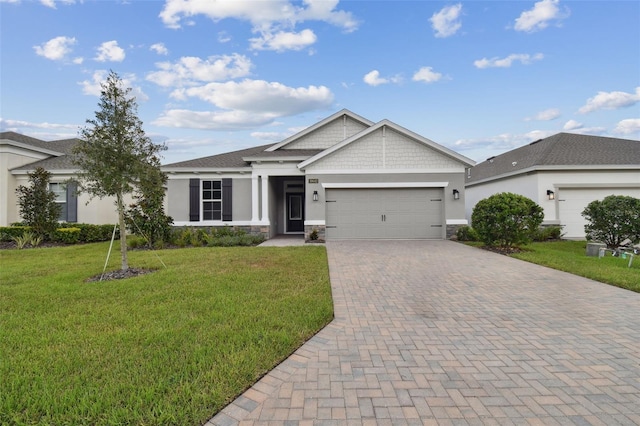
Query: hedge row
point(69, 233)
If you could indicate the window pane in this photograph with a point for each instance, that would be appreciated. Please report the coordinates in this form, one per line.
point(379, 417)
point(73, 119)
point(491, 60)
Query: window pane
point(206, 184)
point(217, 195)
point(217, 184)
point(63, 212)
point(206, 195)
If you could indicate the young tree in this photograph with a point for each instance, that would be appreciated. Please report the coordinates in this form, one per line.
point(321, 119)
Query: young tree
point(37, 204)
point(613, 220)
point(506, 219)
point(114, 153)
point(146, 216)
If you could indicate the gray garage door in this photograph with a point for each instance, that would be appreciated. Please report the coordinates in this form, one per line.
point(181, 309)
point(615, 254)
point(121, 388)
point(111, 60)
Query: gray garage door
point(403, 213)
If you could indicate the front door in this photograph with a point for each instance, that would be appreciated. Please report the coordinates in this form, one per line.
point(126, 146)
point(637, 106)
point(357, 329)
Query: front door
point(295, 212)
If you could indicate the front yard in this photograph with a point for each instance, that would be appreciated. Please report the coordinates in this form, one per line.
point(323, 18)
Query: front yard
point(570, 256)
point(170, 347)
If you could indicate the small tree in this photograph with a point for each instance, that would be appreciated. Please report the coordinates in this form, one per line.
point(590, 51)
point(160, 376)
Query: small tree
point(37, 204)
point(612, 220)
point(114, 153)
point(506, 219)
point(146, 216)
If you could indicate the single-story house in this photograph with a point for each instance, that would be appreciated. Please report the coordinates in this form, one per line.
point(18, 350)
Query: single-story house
point(562, 173)
point(344, 177)
point(20, 155)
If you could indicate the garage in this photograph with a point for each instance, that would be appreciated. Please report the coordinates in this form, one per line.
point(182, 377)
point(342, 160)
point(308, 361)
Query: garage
point(384, 213)
point(573, 201)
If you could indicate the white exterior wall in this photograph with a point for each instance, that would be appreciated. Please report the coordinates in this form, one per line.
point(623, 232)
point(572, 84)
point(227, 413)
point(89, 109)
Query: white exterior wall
point(10, 158)
point(328, 135)
point(536, 185)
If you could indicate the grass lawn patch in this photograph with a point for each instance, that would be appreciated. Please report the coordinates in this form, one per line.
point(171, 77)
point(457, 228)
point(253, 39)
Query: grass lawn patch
point(570, 256)
point(171, 347)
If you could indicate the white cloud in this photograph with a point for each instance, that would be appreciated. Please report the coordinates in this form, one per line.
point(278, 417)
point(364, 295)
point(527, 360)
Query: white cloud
point(628, 126)
point(496, 62)
point(52, 3)
point(373, 78)
point(56, 49)
point(427, 75)
point(446, 22)
point(610, 100)
point(189, 70)
point(20, 124)
point(159, 48)
point(283, 40)
point(503, 142)
point(110, 51)
point(261, 14)
point(224, 37)
point(244, 105)
point(572, 125)
point(271, 136)
point(539, 17)
point(262, 96)
point(546, 115)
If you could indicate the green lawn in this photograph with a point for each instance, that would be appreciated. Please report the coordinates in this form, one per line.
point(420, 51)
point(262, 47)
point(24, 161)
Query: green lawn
point(570, 256)
point(171, 347)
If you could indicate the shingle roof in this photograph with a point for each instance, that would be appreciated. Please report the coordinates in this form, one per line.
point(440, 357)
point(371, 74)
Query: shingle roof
point(56, 162)
point(227, 160)
point(562, 149)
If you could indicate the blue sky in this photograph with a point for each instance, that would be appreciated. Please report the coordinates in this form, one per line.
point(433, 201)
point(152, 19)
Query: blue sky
point(479, 77)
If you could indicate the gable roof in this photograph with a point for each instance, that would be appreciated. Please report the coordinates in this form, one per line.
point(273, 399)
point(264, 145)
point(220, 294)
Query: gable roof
point(303, 133)
point(228, 160)
point(421, 139)
point(57, 150)
point(566, 150)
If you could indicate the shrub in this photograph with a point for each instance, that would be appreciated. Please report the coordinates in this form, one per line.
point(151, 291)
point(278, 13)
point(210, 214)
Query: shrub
point(214, 237)
point(28, 238)
point(612, 220)
point(90, 233)
point(37, 203)
point(466, 233)
point(506, 219)
point(67, 235)
point(548, 233)
point(9, 233)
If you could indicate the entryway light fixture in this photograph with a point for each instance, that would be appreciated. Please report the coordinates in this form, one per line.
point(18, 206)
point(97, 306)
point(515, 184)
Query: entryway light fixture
point(456, 194)
point(551, 194)
point(315, 195)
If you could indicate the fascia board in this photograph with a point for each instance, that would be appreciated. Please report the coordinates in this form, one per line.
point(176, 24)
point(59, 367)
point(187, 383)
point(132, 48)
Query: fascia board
point(28, 147)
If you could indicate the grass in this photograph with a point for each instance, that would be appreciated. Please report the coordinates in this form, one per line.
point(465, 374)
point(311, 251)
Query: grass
point(570, 256)
point(171, 347)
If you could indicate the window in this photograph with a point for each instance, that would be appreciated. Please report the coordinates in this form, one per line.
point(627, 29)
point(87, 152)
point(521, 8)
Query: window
point(211, 200)
point(61, 198)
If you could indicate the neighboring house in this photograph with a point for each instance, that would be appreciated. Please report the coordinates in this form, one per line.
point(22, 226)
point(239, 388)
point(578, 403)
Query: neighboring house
point(343, 177)
point(562, 173)
point(20, 155)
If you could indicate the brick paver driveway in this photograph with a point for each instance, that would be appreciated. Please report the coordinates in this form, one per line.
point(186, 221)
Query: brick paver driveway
point(434, 332)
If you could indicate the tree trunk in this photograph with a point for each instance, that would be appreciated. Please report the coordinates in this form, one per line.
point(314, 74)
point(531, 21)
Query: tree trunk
point(123, 233)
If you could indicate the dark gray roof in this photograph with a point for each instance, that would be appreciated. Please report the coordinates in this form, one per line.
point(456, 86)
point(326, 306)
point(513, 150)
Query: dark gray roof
point(62, 147)
point(563, 149)
point(235, 159)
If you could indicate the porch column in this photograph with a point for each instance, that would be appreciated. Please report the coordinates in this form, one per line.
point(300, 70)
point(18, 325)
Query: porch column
point(255, 200)
point(265, 199)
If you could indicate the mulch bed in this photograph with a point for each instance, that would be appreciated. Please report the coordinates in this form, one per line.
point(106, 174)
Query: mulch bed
point(120, 275)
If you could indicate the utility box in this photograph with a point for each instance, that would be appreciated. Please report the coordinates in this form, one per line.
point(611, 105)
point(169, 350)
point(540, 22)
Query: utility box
point(593, 249)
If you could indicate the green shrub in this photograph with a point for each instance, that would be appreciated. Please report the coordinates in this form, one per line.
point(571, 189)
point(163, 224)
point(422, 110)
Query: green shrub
point(547, 233)
point(506, 219)
point(466, 233)
point(38, 207)
point(214, 237)
point(90, 233)
point(8, 233)
point(135, 241)
point(612, 220)
point(67, 235)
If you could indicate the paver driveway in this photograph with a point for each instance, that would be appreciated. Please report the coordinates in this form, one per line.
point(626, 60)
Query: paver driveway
point(434, 332)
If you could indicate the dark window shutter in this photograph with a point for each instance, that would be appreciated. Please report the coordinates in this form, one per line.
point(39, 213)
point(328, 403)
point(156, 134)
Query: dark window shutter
point(72, 202)
point(227, 205)
point(194, 200)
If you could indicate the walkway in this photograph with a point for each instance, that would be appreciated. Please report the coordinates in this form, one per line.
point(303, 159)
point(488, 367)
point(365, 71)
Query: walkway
point(434, 332)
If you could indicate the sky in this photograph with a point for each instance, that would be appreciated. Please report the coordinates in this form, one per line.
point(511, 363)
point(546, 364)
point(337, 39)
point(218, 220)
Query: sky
point(479, 77)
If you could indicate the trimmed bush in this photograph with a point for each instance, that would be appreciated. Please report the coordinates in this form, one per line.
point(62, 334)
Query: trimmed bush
point(90, 233)
point(547, 233)
point(466, 233)
point(506, 219)
point(214, 237)
point(67, 235)
point(9, 233)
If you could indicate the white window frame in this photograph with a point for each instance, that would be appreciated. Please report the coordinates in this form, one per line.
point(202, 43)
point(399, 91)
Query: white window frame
point(203, 201)
point(61, 198)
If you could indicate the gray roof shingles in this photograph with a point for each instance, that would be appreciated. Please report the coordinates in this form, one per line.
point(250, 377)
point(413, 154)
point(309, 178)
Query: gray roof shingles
point(60, 162)
point(562, 149)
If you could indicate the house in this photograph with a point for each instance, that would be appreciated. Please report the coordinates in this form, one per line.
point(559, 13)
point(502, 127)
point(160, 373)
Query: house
point(344, 177)
point(20, 155)
point(562, 173)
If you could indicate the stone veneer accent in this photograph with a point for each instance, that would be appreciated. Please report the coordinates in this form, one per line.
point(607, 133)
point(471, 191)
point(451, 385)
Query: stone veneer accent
point(308, 229)
point(451, 231)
